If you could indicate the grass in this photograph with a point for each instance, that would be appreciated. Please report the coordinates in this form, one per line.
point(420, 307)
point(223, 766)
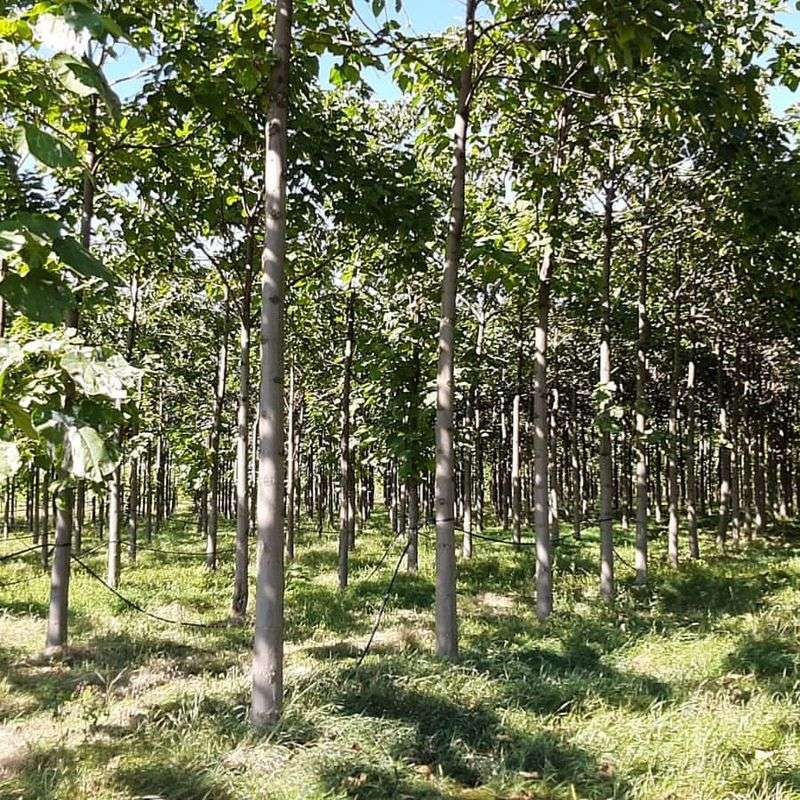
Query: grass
point(684, 690)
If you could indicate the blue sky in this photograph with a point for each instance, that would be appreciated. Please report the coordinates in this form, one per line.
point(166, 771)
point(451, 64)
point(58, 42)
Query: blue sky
point(429, 16)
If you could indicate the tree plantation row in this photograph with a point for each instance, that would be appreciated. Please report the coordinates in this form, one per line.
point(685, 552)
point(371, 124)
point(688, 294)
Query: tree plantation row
point(553, 285)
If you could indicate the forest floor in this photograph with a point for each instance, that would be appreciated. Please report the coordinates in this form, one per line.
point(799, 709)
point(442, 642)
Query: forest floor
point(689, 688)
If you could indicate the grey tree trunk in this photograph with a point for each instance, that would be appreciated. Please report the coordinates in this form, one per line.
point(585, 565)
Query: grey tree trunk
point(607, 588)
point(672, 468)
point(242, 555)
point(541, 457)
point(267, 697)
point(345, 455)
point(640, 443)
point(290, 466)
point(516, 480)
point(724, 454)
point(446, 618)
point(57, 622)
point(412, 493)
point(212, 514)
point(113, 562)
point(691, 435)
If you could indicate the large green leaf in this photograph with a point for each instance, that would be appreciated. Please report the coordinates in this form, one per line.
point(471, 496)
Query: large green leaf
point(97, 373)
point(82, 261)
point(20, 417)
point(47, 149)
point(86, 454)
point(40, 295)
point(10, 459)
point(11, 241)
point(10, 354)
point(85, 78)
point(39, 224)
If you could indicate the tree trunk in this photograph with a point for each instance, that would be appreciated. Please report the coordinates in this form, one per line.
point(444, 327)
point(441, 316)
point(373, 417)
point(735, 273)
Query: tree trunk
point(672, 468)
point(446, 619)
point(345, 454)
point(242, 556)
point(290, 467)
point(213, 444)
point(642, 500)
point(724, 454)
point(541, 457)
point(604, 455)
point(691, 469)
point(57, 623)
point(268, 646)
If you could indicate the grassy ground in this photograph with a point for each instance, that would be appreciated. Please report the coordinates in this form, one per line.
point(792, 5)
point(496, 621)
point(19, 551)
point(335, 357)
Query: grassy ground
point(687, 689)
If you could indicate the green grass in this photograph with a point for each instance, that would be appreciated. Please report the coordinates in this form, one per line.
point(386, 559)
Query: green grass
point(687, 689)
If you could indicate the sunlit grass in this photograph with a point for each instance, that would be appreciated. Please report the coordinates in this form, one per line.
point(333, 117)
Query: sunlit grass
point(686, 689)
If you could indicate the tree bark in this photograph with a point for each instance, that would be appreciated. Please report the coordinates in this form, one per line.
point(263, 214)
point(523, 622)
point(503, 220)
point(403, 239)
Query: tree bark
point(446, 618)
point(242, 556)
point(267, 697)
point(212, 513)
point(607, 588)
point(345, 454)
point(640, 548)
point(672, 468)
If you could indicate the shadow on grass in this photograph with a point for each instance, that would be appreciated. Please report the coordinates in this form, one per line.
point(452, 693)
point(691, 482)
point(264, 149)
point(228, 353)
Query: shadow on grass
point(463, 742)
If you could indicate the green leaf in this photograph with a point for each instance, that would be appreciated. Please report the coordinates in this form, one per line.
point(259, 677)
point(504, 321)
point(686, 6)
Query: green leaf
point(10, 460)
point(11, 242)
point(85, 78)
point(47, 149)
point(40, 295)
point(10, 355)
point(20, 417)
point(71, 252)
point(86, 454)
point(96, 372)
point(39, 224)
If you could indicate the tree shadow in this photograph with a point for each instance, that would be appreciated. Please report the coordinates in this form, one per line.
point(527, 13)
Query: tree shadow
point(464, 743)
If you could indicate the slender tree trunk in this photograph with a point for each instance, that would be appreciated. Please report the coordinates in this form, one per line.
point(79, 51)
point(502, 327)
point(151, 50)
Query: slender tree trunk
point(446, 618)
point(268, 648)
point(724, 455)
point(213, 444)
point(345, 454)
point(672, 468)
point(607, 589)
point(576, 495)
point(57, 622)
point(412, 493)
point(290, 467)
point(113, 562)
point(516, 484)
point(541, 457)
point(642, 500)
point(691, 469)
point(242, 556)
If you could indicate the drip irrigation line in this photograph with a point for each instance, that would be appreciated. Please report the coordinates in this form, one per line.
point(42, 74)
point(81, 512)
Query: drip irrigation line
point(626, 563)
point(383, 557)
point(18, 553)
point(184, 553)
point(17, 538)
point(28, 579)
point(385, 600)
point(136, 607)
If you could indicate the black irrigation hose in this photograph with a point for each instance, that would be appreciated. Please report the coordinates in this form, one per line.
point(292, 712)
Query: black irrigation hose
point(137, 607)
point(29, 579)
point(183, 553)
point(383, 557)
point(18, 553)
point(386, 594)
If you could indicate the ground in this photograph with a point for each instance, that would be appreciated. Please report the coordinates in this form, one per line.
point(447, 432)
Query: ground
point(687, 689)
